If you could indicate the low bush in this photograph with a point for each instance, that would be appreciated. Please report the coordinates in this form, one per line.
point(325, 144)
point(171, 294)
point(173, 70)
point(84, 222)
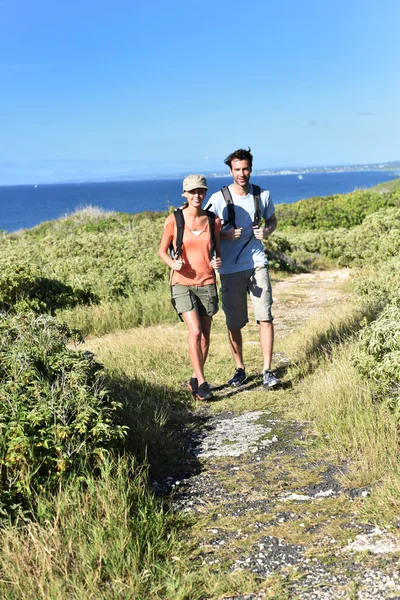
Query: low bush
point(22, 287)
point(55, 413)
point(336, 211)
point(109, 255)
point(279, 251)
point(378, 356)
point(380, 282)
point(376, 241)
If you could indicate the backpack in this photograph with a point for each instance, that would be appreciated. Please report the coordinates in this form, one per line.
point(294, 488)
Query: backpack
point(231, 207)
point(180, 226)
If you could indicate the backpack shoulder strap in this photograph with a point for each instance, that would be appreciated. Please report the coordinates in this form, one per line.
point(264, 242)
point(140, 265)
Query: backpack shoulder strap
point(180, 225)
point(229, 205)
point(257, 201)
point(211, 226)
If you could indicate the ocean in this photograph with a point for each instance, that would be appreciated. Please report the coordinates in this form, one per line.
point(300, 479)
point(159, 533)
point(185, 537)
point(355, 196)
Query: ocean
point(22, 207)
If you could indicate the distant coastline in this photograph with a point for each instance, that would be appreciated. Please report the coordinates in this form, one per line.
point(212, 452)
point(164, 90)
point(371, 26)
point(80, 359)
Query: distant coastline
point(393, 166)
point(78, 178)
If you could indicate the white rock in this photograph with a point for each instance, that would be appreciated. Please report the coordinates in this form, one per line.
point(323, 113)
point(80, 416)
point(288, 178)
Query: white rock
point(298, 497)
point(377, 542)
point(324, 494)
point(234, 436)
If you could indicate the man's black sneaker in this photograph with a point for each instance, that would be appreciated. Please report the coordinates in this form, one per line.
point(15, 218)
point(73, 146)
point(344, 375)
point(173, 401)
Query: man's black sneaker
point(238, 378)
point(203, 392)
point(270, 380)
point(193, 385)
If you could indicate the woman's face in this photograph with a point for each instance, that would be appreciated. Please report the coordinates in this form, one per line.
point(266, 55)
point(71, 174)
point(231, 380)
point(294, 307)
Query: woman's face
point(195, 197)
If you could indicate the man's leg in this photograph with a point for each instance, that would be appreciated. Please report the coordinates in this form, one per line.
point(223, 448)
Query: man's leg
point(267, 342)
point(234, 304)
point(236, 343)
point(270, 380)
point(261, 295)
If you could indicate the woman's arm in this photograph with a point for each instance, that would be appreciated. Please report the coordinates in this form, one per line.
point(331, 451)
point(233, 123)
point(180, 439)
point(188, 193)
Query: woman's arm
point(166, 240)
point(216, 262)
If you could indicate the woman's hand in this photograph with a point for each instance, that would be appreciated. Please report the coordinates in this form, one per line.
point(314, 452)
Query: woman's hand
point(177, 264)
point(216, 263)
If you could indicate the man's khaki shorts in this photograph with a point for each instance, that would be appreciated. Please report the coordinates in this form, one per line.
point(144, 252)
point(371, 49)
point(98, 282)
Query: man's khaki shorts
point(234, 290)
point(189, 297)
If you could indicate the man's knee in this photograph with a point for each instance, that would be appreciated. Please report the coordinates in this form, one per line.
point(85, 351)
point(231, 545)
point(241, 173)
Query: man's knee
point(266, 323)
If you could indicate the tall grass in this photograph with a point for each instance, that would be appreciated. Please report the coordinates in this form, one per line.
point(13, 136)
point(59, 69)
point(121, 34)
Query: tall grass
point(107, 538)
point(139, 309)
point(316, 340)
point(341, 404)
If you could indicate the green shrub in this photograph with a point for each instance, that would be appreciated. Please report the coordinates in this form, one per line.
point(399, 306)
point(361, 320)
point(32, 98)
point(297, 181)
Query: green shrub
point(279, 252)
point(381, 283)
point(55, 413)
point(376, 241)
point(336, 211)
point(107, 255)
point(23, 288)
point(378, 356)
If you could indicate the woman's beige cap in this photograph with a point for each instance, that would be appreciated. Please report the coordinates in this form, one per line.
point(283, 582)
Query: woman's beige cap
point(192, 182)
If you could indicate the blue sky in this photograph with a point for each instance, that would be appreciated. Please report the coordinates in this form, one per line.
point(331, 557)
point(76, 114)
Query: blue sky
point(95, 88)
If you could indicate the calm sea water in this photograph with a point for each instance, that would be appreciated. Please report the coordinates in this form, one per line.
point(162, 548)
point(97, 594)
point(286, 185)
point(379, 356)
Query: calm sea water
point(29, 205)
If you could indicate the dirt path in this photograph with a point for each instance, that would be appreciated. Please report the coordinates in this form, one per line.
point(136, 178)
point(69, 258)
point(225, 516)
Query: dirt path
point(270, 508)
point(300, 297)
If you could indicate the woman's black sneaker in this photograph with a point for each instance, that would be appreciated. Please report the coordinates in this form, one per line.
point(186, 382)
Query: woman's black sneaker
point(193, 385)
point(204, 392)
point(238, 378)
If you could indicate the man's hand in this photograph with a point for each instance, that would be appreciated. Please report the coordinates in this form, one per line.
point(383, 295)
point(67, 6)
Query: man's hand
point(259, 232)
point(231, 233)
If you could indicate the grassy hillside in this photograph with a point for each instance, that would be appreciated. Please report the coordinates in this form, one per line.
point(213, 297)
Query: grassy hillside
point(78, 440)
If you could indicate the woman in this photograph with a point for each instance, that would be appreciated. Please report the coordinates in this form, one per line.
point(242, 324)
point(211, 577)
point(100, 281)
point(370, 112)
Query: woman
point(193, 288)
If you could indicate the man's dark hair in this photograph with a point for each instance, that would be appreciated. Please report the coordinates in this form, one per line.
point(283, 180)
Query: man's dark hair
point(240, 154)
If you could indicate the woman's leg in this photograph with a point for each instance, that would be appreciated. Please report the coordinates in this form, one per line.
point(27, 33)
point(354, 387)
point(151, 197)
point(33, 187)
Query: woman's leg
point(195, 338)
point(205, 323)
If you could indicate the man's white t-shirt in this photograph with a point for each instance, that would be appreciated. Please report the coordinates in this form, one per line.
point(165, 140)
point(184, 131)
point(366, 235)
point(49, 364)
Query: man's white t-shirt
point(236, 255)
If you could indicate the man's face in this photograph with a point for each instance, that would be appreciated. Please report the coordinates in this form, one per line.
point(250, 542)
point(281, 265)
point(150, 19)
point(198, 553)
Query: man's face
point(240, 171)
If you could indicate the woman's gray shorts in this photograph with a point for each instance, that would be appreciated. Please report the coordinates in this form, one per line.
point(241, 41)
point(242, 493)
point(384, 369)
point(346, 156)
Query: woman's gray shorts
point(203, 298)
point(234, 289)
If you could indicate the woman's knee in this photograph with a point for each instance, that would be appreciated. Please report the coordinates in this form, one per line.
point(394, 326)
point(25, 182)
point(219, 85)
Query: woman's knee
point(195, 334)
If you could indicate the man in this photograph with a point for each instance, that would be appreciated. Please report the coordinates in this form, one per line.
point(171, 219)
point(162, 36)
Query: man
point(245, 266)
